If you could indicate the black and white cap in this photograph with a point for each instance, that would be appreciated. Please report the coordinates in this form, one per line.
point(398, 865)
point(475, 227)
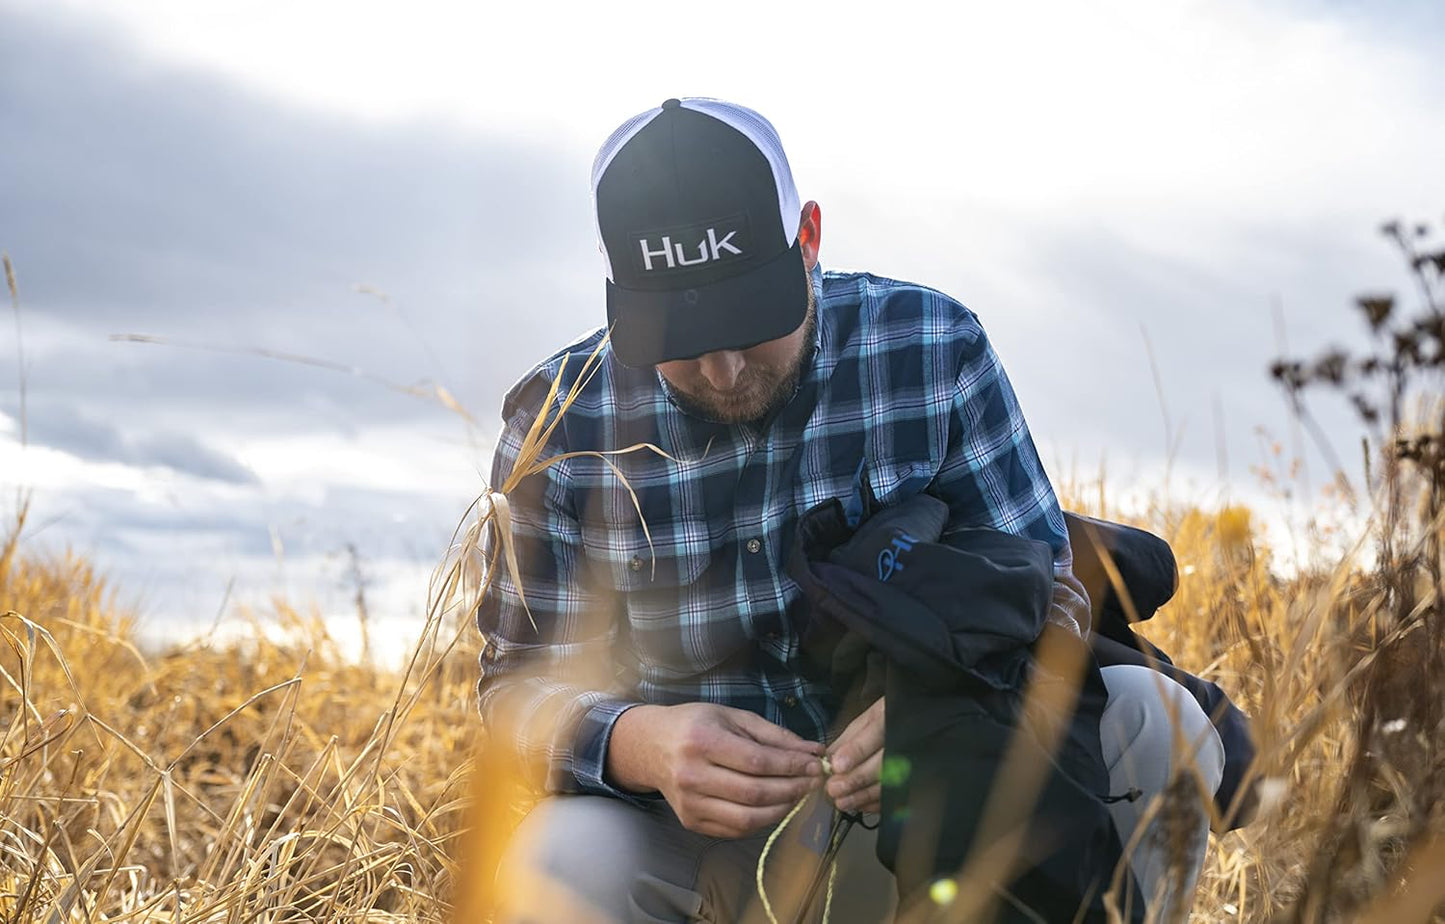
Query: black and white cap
point(697, 219)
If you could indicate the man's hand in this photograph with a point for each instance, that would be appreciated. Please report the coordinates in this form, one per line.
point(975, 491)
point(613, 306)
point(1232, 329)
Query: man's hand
point(726, 772)
point(857, 762)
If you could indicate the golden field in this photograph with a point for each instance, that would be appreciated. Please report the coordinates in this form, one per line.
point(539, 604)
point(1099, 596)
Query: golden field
point(239, 782)
point(270, 781)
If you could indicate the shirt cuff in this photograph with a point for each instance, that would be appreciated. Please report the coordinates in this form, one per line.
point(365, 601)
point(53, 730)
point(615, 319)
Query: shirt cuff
point(589, 752)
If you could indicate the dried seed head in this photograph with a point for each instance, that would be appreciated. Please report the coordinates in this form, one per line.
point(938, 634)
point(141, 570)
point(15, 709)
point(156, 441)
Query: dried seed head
point(1377, 309)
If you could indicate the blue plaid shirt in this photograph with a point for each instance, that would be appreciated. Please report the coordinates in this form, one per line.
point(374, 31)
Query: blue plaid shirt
point(900, 377)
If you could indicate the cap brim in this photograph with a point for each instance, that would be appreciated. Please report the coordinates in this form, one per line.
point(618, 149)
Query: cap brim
point(651, 327)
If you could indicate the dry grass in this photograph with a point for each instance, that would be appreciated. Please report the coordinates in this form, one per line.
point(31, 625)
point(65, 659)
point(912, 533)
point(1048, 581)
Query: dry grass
point(239, 782)
point(276, 781)
point(1343, 685)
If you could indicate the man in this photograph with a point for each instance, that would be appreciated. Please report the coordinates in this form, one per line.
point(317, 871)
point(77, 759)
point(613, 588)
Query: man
point(650, 660)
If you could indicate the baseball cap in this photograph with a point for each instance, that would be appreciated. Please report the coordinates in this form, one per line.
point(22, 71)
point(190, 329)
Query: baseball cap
point(697, 220)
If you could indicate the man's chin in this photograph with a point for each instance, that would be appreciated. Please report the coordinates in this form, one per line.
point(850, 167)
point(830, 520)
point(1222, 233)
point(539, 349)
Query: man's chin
point(736, 410)
point(735, 413)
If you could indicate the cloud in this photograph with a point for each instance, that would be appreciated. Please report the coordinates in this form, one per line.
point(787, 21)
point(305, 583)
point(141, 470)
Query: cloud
point(176, 546)
point(137, 199)
point(89, 437)
point(157, 199)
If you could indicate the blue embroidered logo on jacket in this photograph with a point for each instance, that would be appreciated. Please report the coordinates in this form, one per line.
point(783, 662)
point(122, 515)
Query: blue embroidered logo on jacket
point(891, 558)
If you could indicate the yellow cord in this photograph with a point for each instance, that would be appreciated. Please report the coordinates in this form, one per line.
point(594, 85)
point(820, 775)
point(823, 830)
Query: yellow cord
point(828, 902)
point(763, 860)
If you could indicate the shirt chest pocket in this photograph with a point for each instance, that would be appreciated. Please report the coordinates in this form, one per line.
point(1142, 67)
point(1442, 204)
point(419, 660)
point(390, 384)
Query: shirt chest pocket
point(667, 592)
point(624, 560)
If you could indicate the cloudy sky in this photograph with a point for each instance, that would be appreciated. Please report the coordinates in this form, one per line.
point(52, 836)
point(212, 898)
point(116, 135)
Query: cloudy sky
point(402, 193)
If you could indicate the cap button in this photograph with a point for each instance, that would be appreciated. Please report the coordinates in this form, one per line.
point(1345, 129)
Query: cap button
point(671, 103)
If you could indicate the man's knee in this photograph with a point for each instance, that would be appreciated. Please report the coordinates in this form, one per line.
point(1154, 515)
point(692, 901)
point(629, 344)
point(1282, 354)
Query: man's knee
point(572, 858)
point(1153, 725)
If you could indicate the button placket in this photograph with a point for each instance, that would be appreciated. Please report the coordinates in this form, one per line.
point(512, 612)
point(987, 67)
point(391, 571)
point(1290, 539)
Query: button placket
point(751, 482)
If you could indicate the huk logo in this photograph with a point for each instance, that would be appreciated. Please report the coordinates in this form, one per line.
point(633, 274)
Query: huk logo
point(673, 254)
point(890, 560)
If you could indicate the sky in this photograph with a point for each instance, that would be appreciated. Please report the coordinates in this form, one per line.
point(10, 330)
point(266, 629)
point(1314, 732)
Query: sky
point(1145, 202)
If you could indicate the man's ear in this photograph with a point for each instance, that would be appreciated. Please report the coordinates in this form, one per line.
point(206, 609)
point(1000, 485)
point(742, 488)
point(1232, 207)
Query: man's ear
point(810, 233)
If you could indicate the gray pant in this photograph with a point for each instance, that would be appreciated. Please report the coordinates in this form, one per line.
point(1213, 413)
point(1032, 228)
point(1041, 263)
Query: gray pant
point(591, 858)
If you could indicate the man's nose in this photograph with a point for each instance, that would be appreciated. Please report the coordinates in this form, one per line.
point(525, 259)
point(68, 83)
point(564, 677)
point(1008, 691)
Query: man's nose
point(721, 368)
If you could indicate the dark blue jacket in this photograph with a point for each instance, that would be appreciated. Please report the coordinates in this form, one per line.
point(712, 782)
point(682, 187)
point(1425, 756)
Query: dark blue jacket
point(952, 622)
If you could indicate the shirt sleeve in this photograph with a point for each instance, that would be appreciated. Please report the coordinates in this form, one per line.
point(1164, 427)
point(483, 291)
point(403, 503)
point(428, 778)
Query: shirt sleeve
point(549, 681)
point(992, 474)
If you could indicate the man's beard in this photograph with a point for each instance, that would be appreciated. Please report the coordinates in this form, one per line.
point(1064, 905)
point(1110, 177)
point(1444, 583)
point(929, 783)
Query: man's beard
point(764, 389)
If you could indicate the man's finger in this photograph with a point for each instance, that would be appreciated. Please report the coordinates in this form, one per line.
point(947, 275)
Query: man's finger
point(864, 775)
point(745, 755)
point(756, 791)
point(869, 799)
point(862, 737)
point(765, 732)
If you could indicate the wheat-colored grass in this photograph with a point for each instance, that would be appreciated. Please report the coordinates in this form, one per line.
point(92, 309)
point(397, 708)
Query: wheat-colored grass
point(265, 780)
point(260, 780)
point(253, 780)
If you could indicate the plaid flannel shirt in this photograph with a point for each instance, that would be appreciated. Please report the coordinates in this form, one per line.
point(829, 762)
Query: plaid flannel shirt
point(698, 607)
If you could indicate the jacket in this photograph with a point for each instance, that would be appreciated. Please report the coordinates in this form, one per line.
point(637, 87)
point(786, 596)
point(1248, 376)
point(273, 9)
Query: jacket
point(950, 623)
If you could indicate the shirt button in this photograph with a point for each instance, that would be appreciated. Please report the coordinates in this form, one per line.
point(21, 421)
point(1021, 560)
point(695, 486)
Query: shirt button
point(790, 700)
point(635, 564)
point(754, 546)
